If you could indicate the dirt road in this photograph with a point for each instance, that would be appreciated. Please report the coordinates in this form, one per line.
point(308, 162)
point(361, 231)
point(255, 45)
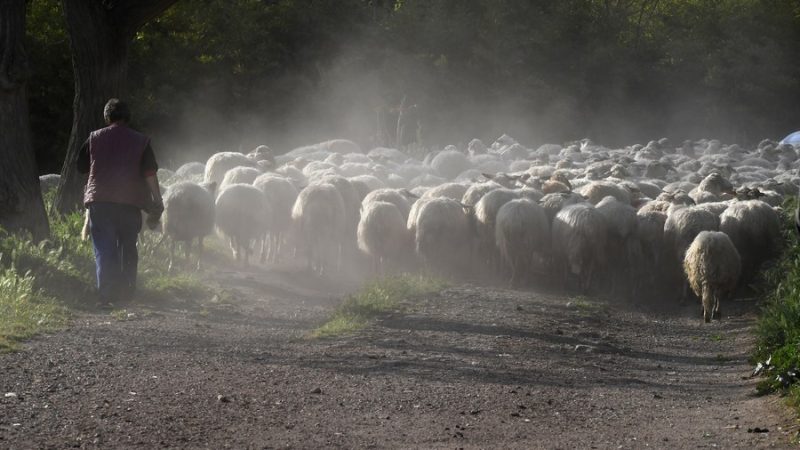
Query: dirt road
point(469, 368)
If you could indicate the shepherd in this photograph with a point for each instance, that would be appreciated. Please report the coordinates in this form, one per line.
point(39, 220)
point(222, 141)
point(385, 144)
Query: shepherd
point(122, 181)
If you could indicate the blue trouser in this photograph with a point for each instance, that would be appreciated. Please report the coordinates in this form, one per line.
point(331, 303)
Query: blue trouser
point(114, 228)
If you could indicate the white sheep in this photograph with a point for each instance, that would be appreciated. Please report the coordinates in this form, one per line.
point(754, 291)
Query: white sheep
point(239, 175)
point(597, 190)
point(455, 191)
point(484, 216)
point(450, 163)
point(755, 229)
point(521, 231)
point(382, 234)
point(579, 236)
point(220, 163)
point(319, 216)
point(280, 194)
point(441, 230)
point(712, 267)
point(242, 215)
point(188, 215)
point(624, 249)
point(397, 197)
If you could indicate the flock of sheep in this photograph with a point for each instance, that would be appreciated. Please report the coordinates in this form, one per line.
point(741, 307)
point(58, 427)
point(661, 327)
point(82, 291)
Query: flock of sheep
point(624, 221)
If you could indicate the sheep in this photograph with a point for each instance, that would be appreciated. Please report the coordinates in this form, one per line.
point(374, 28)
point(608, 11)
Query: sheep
point(478, 190)
point(455, 191)
point(319, 216)
point(450, 163)
point(485, 214)
point(242, 215)
point(553, 203)
point(382, 233)
point(755, 229)
point(521, 230)
point(651, 241)
point(716, 184)
point(597, 190)
point(280, 194)
point(220, 163)
point(49, 182)
point(192, 171)
point(188, 215)
point(712, 266)
point(623, 248)
point(684, 225)
point(352, 208)
point(579, 235)
point(239, 175)
point(396, 197)
point(441, 229)
point(680, 229)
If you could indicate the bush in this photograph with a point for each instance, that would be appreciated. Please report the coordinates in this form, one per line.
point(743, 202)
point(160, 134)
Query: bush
point(778, 328)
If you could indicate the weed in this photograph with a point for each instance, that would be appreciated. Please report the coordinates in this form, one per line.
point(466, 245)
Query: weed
point(374, 299)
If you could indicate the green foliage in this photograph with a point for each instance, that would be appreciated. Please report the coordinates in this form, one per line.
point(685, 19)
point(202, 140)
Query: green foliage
point(25, 310)
point(232, 74)
point(778, 327)
point(374, 299)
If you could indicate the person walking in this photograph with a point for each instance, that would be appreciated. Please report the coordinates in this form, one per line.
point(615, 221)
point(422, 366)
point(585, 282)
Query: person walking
point(122, 181)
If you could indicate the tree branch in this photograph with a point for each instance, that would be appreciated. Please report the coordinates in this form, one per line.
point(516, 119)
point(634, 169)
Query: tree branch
point(131, 15)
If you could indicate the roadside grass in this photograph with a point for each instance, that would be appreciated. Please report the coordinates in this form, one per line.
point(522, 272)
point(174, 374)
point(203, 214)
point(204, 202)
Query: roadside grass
point(376, 298)
point(778, 329)
point(41, 283)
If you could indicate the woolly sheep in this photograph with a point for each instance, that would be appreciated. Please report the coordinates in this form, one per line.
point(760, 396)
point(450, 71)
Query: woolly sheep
point(239, 175)
point(280, 195)
point(441, 231)
point(450, 163)
point(382, 233)
point(597, 190)
point(188, 215)
point(455, 191)
point(49, 182)
point(579, 236)
point(485, 214)
point(712, 267)
point(220, 163)
point(521, 230)
point(319, 216)
point(242, 215)
point(398, 198)
point(553, 203)
point(684, 225)
point(624, 249)
point(193, 171)
point(755, 229)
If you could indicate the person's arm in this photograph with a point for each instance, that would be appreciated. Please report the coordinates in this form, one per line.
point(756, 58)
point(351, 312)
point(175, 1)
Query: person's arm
point(149, 172)
point(84, 162)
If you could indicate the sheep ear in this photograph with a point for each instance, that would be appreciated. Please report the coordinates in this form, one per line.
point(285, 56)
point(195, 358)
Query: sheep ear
point(487, 175)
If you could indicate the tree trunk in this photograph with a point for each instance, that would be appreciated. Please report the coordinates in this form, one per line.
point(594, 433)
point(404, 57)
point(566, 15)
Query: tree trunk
point(21, 206)
point(100, 33)
point(99, 61)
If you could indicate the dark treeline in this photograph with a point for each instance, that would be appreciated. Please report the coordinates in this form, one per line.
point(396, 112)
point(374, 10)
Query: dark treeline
point(230, 74)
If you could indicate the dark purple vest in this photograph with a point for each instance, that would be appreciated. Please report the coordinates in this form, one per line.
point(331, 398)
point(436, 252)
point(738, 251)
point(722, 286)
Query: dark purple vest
point(115, 175)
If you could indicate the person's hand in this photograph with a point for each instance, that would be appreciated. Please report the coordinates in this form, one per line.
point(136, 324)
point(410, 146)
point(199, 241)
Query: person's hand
point(154, 214)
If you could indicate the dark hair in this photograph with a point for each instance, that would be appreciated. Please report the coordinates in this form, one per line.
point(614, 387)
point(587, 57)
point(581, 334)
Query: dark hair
point(116, 110)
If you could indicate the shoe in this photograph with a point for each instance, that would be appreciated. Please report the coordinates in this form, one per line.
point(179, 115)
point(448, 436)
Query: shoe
point(104, 305)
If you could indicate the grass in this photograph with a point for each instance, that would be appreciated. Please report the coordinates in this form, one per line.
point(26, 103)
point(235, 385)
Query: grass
point(41, 282)
point(778, 328)
point(375, 298)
